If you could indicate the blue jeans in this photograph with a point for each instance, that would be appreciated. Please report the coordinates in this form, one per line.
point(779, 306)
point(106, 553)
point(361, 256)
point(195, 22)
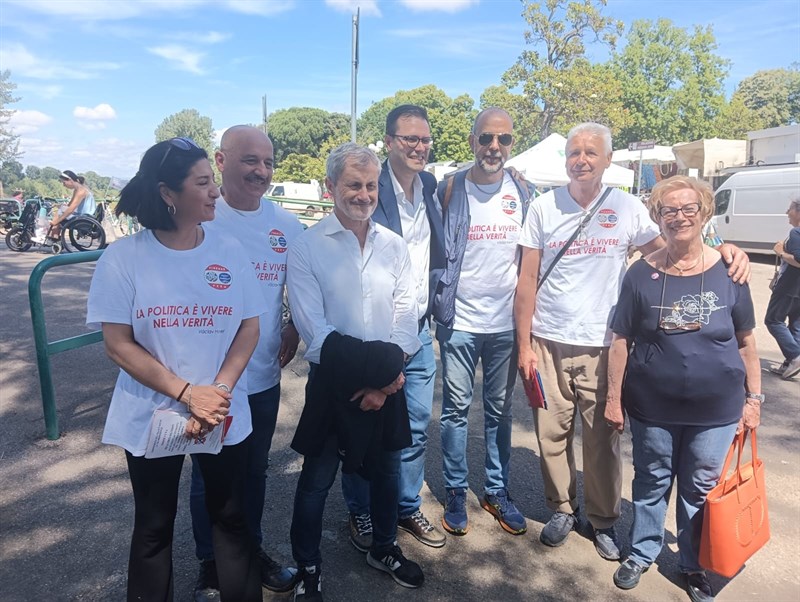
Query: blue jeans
point(264, 415)
point(460, 352)
point(420, 374)
point(781, 309)
point(693, 454)
point(315, 481)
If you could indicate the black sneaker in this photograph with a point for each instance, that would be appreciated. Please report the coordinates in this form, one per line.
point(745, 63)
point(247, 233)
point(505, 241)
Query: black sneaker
point(309, 585)
point(404, 571)
point(274, 577)
point(557, 528)
point(628, 574)
point(361, 531)
point(206, 589)
point(698, 587)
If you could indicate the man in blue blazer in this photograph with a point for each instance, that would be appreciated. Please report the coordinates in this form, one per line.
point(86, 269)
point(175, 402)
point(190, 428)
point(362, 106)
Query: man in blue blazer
point(407, 205)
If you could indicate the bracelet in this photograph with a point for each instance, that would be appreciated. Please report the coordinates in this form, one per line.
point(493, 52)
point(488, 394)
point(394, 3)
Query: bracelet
point(186, 386)
point(759, 397)
point(189, 402)
point(222, 387)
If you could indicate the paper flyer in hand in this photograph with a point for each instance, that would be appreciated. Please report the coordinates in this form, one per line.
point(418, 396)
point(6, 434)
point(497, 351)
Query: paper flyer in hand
point(168, 438)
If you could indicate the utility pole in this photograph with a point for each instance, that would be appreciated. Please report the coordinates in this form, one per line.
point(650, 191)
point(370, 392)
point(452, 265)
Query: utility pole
point(264, 113)
point(354, 77)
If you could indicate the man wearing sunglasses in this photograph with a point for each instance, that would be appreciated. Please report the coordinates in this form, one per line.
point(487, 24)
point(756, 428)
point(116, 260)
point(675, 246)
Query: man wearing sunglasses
point(567, 337)
point(483, 209)
point(245, 159)
point(406, 205)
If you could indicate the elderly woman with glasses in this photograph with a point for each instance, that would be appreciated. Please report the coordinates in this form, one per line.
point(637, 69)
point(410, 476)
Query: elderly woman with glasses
point(178, 305)
point(683, 365)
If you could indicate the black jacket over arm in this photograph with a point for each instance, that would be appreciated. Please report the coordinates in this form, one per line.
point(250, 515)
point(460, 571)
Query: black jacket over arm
point(346, 366)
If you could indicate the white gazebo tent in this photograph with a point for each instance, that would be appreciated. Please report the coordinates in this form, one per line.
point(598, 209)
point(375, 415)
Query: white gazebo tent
point(544, 165)
point(652, 156)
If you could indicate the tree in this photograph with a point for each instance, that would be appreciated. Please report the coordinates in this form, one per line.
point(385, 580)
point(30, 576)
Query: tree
point(735, 120)
point(33, 172)
point(303, 130)
point(11, 173)
point(300, 168)
point(9, 142)
point(450, 120)
point(773, 95)
point(672, 82)
point(188, 123)
point(555, 79)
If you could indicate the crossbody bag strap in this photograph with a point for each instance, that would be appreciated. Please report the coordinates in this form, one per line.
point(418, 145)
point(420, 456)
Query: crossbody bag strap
point(584, 222)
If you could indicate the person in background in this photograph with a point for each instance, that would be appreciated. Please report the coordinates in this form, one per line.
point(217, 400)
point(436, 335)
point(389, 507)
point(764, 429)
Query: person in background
point(81, 203)
point(178, 305)
point(784, 303)
point(266, 231)
point(684, 367)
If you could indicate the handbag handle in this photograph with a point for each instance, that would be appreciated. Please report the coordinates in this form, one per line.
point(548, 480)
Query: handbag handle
point(738, 446)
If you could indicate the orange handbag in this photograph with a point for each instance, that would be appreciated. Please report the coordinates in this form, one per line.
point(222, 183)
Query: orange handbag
point(735, 520)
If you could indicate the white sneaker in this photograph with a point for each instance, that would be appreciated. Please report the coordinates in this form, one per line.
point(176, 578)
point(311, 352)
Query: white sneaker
point(792, 369)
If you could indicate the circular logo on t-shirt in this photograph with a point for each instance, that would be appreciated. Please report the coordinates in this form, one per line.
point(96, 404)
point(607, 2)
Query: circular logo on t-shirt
point(218, 276)
point(510, 204)
point(607, 218)
point(278, 241)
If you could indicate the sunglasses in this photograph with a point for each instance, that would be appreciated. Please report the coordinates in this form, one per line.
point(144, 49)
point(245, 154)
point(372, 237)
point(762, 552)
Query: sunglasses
point(413, 141)
point(503, 139)
point(183, 144)
point(689, 210)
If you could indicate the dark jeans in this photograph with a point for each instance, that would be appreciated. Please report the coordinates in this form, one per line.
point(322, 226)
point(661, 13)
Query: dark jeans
point(155, 494)
point(264, 415)
point(315, 481)
point(783, 309)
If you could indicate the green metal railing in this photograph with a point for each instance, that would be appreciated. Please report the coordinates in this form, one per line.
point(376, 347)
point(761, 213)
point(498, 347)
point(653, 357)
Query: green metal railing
point(45, 349)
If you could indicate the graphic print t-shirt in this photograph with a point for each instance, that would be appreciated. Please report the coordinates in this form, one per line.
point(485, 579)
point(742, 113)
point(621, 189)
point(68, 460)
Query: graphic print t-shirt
point(185, 308)
point(485, 293)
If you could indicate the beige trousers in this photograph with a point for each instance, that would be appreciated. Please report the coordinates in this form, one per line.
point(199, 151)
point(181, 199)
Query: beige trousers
point(575, 382)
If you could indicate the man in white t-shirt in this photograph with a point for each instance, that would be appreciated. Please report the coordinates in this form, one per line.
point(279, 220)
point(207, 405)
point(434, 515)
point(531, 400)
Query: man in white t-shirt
point(562, 329)
point(483, 211)
point(266, 231)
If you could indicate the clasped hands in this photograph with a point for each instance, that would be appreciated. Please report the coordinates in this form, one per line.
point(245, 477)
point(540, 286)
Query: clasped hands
point(373, 399)
point(208, 407)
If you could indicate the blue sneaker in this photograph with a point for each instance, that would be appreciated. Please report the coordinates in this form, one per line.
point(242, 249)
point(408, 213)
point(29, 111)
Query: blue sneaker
point(455, 512)
point(501, 506)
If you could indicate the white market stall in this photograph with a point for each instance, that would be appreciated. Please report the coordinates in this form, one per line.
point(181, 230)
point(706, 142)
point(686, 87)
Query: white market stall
point(544, 165)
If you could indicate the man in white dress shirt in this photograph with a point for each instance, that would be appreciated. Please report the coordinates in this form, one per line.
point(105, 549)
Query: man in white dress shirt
point(351, 278)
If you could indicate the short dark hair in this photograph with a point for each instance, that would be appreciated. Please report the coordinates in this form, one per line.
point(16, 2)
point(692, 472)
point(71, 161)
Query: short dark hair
point(403, 111)
point(163, 163)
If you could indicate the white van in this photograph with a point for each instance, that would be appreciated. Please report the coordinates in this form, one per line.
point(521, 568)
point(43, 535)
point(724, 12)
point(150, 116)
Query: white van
point(751, 206)
point(301, 198)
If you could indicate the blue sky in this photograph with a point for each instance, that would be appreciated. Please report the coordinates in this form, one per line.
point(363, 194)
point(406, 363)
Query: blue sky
point(97, 77)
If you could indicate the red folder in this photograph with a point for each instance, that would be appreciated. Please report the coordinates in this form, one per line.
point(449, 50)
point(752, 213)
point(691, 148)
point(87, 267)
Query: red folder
point(535, 391)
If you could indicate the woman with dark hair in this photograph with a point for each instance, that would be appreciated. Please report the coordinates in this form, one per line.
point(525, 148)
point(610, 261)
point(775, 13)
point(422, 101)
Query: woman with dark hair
point(81, 203)
point(683, 364)
point(179, 306)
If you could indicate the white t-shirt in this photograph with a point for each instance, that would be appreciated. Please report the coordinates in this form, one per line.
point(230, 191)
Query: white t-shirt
point(185, 308)
point(485, 293)
point(417, 234)
point(576, 303)
point(266, 235)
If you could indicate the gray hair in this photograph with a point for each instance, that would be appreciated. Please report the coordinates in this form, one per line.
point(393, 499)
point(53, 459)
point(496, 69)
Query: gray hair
point(593, 129)
point(349, 151)
point(795, 202)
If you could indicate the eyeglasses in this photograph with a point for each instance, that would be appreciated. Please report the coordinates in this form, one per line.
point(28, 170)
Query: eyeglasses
point(183, 144)
point(689, 210)
point(504, 139)
point(413, 141)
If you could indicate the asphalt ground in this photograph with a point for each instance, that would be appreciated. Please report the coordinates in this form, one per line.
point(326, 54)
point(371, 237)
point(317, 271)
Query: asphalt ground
point(66, 507)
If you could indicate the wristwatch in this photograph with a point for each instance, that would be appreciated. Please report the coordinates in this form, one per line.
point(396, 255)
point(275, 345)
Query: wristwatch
point(226, 388)
point(757, 396)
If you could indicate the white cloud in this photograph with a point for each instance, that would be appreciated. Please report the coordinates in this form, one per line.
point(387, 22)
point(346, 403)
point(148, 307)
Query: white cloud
point(447, 6)
point(29, 65)
point(209, 37)
point(264, 8)
point(27, 122)
point(44, 91)
point(368, 7)
point(181, 57)
point(101, 112)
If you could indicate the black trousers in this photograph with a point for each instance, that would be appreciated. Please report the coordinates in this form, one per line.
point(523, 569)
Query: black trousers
point(155, 492)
